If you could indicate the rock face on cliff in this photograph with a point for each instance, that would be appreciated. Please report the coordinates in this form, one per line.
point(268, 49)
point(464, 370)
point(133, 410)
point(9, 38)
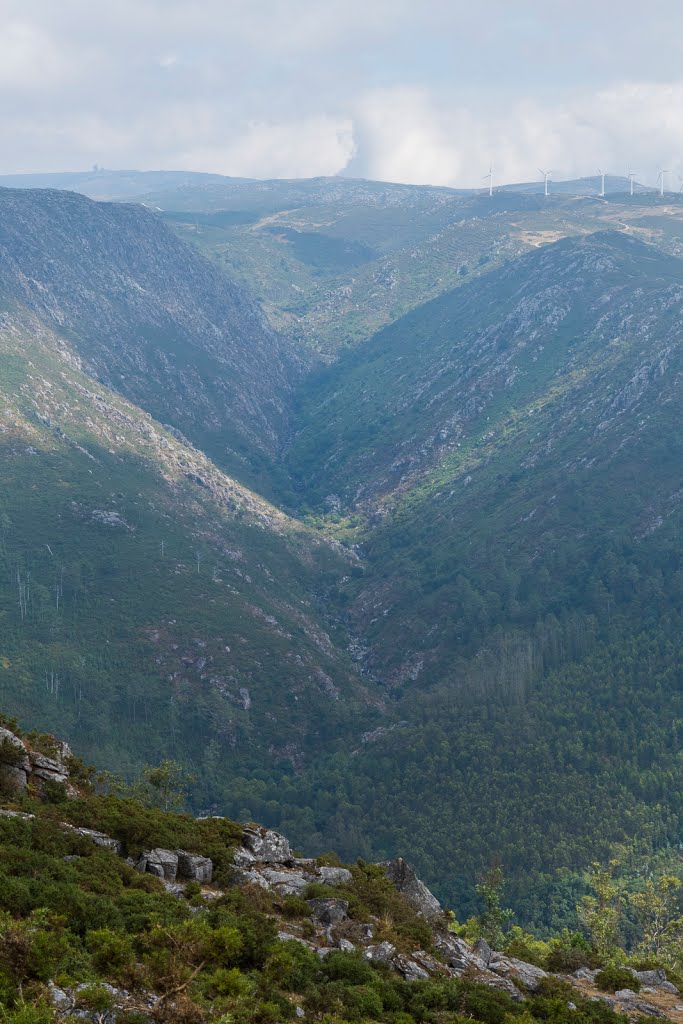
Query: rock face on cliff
point(150, 317)
point(21, 766)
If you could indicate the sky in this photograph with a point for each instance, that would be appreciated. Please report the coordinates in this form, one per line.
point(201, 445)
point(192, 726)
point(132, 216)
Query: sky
point(426, 92)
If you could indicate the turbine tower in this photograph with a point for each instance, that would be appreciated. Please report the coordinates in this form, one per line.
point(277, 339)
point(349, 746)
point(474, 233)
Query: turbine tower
point(546, 179)
point(602, 187)
point(631, 178)
point(489, 177)
point(661, 179)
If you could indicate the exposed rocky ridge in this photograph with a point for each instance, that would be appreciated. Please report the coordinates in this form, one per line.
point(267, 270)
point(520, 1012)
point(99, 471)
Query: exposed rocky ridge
point(150, 317)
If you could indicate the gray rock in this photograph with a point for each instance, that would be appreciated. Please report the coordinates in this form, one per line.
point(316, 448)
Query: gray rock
point(288, 937)
point(47, 775)
point(345, 946)
point(298, 1012)
point(482, 949)
point(367, 931)
point(286, 883)
point(431, 964)
point(243, 877)
point(328, 911)
point(640, 1006)
point(520, 972)
point(501, 984)
point(625, 993)
point(14, 779)
point(194, 868)
point(263, 846)
point(571, 1006)
point(656, 978)
point(335, 876)
point(14, 741)
point(46, 764)
point(668, 986)
point(174, 889)
point(162, 863)
point(457, 953)
point(586, 974)
point(415, 891)
point(383, 953)
point(59, 998)
point(408, 968)
point(100, 839)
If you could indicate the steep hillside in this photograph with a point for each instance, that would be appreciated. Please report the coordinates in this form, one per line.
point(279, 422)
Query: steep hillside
point(151, 318)
point(150, 605)
point(508, 459)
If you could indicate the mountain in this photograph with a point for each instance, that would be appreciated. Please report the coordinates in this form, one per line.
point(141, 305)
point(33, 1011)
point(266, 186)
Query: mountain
point(333, 260)
point(100, 183)
point(150, 604)
point(151, 318)
point(406, 563)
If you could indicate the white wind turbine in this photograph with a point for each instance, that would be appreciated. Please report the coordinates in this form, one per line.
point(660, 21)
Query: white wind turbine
point(546, 179)
point(602, 187)
point(489, 177)
point(661, 179)
point(631, 177)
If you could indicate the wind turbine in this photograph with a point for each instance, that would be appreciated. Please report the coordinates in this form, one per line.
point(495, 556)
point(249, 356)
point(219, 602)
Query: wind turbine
point(660, 179)
point(631, 177)
point(680, 178)
point(602, 176)
point(489, 176)
point(546, 179)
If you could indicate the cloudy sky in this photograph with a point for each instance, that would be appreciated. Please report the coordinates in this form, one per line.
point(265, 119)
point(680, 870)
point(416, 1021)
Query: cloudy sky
point(425, 91)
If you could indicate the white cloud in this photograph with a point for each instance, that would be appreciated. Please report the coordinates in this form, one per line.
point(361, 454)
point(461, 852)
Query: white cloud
point(307, 148)
point(29, 60)
point(410, 135)
point(426, 92)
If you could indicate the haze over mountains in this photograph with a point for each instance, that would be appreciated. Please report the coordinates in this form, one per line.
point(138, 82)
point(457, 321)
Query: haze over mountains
point(363, 500)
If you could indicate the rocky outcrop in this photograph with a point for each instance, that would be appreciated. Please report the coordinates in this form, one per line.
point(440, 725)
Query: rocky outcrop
point(328, 911)
point(21, 766)
point(265, 859)
point(524, 975)
point(415, 891)
point(175, 865)
point(263, 846)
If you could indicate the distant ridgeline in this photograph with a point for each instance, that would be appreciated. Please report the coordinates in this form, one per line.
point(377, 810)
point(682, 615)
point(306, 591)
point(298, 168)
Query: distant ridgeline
point(382, 542)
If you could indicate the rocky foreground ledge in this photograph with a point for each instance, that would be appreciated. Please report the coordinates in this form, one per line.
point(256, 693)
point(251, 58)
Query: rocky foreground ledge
point(265, 860)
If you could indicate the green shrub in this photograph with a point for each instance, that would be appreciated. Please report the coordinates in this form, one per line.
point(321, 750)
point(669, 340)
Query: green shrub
point(568, 952)
point(611, 979)
point(295, 906)
point(111, 951)
point(95, 997)
point(347, 967)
